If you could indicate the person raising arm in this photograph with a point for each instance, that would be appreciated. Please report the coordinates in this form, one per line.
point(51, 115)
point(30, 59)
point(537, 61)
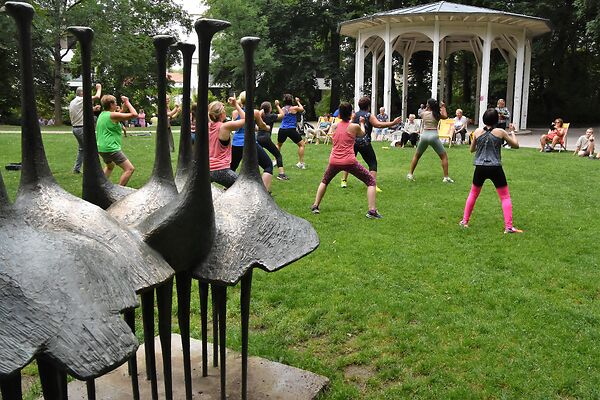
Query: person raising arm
point(109, 139)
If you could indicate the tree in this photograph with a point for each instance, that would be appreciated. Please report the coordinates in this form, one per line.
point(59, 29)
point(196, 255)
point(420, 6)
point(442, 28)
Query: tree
point(123, 47)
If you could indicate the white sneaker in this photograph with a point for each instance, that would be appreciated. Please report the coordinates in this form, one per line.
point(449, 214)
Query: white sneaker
point(301, 165)
point(274, 163)
point(447, 179)
point(410, 177)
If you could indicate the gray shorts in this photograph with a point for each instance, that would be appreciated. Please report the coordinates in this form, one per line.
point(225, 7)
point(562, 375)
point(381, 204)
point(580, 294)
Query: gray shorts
point(430, 138)
point(117, 157)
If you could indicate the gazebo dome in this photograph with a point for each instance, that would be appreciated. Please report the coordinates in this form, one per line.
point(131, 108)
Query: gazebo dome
point(444, 28)
point(445, 11)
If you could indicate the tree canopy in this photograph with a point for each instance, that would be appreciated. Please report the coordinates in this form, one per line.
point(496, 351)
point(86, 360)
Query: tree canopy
point(299, 43)
point(123, 53)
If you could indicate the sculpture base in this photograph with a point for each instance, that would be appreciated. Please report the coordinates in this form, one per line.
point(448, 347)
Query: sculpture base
point(266, 379)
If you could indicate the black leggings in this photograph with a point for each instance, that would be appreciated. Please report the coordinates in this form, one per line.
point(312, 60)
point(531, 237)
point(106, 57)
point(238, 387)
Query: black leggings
point(263, 158)
point(493, 173)
point(225, 177)
point(264, 139)
point(368, 154)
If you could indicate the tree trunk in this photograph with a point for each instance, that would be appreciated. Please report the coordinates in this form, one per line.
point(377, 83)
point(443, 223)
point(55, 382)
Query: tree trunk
point(57, 83)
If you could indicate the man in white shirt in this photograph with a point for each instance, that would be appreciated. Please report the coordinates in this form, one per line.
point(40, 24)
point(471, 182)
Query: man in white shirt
point(459, 127)
point(76, 116)
point(585, 144)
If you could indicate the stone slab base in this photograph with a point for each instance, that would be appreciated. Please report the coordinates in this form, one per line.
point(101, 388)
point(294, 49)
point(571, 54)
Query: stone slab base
point(266, 379)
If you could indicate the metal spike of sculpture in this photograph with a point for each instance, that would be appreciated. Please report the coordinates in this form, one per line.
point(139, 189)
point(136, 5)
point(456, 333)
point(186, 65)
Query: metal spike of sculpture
point(252, 231)
point(184, 161)
point(67, 265)
point(185, 158)
point(183, 230)
point(97, 189)
point(134, 208)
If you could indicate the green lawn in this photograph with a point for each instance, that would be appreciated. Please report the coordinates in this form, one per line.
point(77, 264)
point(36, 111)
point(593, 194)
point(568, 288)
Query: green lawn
point(411, 306)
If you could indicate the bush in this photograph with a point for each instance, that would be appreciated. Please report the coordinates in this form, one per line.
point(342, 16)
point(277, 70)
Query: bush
point(322, 107)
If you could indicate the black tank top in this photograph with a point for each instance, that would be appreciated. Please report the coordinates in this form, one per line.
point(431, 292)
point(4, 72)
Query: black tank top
point(368, 127)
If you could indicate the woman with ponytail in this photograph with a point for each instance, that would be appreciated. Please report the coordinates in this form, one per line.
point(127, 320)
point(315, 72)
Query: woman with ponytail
point(429, 137)
point(486, 145)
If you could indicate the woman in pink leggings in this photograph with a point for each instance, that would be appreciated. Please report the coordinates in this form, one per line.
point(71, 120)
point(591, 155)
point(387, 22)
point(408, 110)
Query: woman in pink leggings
point(487, 144)
point(342, 158)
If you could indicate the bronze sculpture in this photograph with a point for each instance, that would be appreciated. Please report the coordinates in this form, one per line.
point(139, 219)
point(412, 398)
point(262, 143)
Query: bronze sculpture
point(252, 231)
point(76, 230)
point(181, 227)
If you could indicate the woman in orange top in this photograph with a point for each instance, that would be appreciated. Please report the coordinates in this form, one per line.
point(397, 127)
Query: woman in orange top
point(556, 134)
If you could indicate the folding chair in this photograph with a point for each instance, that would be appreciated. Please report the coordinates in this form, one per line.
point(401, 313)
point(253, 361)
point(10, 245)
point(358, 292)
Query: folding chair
point(444, 130)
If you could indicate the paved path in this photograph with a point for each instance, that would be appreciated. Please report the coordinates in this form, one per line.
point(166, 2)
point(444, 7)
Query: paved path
point(533, 139)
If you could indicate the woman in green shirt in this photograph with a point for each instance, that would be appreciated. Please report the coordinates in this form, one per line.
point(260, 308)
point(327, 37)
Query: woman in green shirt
point(108, 136)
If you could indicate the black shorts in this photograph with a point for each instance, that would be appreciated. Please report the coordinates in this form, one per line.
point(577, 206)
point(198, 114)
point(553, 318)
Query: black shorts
point(495, 174)
point(365, 149)
point(291, 133)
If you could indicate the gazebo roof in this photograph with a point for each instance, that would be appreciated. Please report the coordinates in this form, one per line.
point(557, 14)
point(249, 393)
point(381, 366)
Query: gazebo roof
point(445, 11)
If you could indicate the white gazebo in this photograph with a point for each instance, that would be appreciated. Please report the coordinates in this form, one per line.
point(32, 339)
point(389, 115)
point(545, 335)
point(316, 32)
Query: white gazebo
point(444, 28)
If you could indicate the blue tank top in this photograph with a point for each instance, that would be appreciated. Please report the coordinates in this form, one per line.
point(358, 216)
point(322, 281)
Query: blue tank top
point(238, 136)
point(368, 127)
point(487, 152)
point(289, 119)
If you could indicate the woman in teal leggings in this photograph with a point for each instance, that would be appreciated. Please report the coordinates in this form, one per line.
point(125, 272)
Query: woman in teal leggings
point(429, 137)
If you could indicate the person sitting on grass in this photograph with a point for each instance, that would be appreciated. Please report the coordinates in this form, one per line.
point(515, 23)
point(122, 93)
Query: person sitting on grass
point(487, 145)
point(108, 136)
point(585, 144)
point(555, 135)
point(342, 158)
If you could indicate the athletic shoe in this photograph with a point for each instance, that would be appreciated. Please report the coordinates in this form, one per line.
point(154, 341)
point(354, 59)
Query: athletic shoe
point(463, 224)
point(513, 230)
point(274, 163)
point(76, 171)
point(344, 183)
point(447, 179)
point(301, 165)
point(283, 177)
point(373, 214)
point(377, 189)
point(315, 209)
point(410, 177)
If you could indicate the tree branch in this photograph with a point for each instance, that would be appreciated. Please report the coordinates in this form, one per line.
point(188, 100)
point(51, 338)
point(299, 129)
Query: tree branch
point(73, 5)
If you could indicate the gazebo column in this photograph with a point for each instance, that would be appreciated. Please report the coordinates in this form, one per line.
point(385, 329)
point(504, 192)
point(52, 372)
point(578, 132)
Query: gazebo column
point(516, 112)
point(374, 82)
point(359, 70)
point(477, 89)
point(442, 84)
point(485, 73)
point(526, 77)
point(405, 60)
point(387, 75)
point(510, 85)
point(436, 60)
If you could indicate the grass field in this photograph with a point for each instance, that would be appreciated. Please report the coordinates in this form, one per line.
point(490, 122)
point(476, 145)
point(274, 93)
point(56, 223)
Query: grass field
point(411, 306)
